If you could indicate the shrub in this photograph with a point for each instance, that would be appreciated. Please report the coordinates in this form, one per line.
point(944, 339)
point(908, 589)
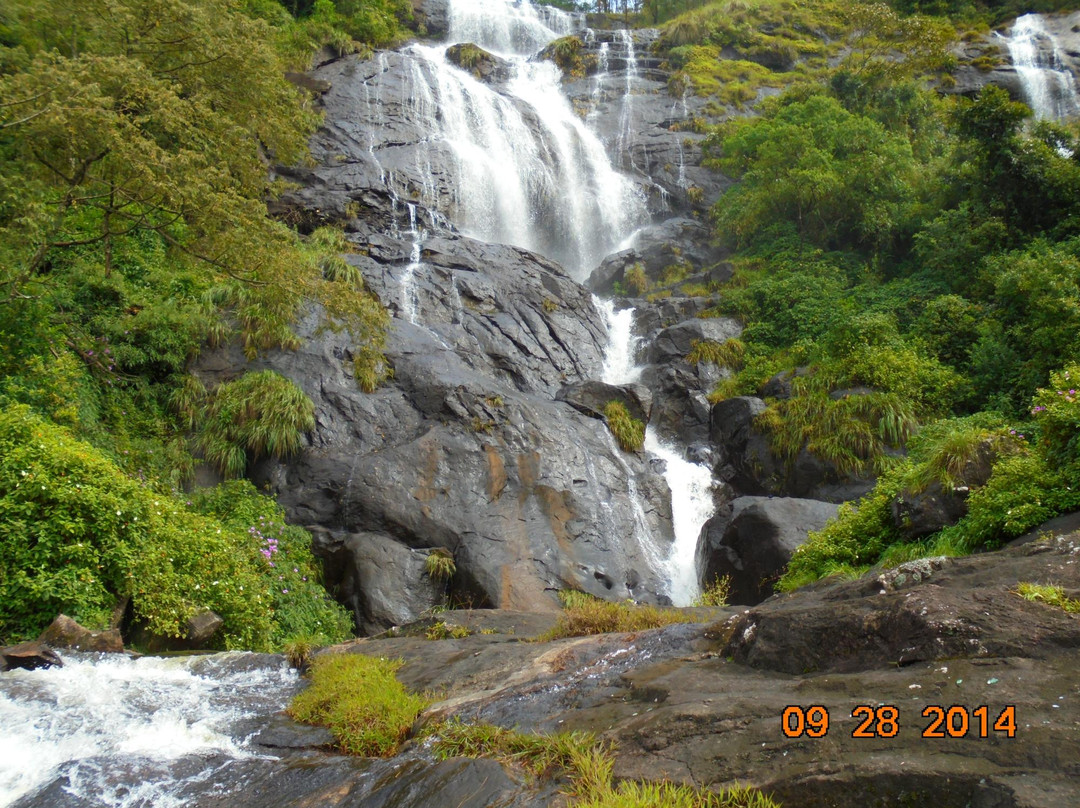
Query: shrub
point(716, 593)
point(359, 699)
point(628, 431)
point(583, 615)
point(727, 354)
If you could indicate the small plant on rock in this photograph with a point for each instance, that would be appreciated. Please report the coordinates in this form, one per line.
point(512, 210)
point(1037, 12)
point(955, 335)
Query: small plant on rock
point(440, 565)
point(716, 593)
point(628, 431)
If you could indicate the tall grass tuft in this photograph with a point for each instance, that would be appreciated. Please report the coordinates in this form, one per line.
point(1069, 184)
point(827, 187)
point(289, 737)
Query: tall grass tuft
point(628, 431)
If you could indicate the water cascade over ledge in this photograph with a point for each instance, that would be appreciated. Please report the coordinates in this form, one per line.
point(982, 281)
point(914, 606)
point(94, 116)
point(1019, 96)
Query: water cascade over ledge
point(1048, 85)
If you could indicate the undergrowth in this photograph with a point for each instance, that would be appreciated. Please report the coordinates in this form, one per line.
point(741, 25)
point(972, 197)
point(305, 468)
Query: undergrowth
point(1049, 594)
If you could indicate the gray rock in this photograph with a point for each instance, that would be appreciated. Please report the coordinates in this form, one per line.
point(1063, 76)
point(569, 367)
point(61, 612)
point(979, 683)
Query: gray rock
point(590, 398)
point(918, 512)
point(383, 581)
point(676, 342)
point(467, 448)
point(659, 246)
point(751, 540)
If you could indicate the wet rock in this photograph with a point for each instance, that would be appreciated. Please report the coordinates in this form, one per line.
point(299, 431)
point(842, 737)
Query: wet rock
point(748, 463)
point(930, 610)
point(382, 581)
point(64, 632)
point(676, 342)
point(591, 397)
point(751, 540)
point(477, 61)
point(779, 386)
point(201, 627)
point(29, 656)
point(656, 248)
point(466, 447)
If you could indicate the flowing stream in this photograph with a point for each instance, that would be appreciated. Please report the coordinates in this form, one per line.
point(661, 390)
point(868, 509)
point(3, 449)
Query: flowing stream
point(124, 732)
point(1048, 84)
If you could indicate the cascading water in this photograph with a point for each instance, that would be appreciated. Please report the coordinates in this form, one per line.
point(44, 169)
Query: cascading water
point(528, 171)
point(119, 729)
point(1048, 84)
point(692, 485)
point(625, 142)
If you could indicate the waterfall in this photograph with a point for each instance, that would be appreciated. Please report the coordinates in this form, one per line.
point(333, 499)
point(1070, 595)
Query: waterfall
point(410, 299)
point(116, 727)
point(1048, 85)
point(692, 504)
point(526, 169)
point(625, 142)
point(691, 484)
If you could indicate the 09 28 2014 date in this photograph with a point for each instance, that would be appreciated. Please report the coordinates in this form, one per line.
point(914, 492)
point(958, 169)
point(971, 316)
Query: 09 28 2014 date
point(883, 721)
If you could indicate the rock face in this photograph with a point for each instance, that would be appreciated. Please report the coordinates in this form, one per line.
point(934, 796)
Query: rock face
point(467, 448)
point(751, 540)
point(63, 632)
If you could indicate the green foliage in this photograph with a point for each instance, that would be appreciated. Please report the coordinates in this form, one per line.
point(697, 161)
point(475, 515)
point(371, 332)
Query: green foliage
point(636, 280)
point(1048, 594)
point(439, 565)
point(716, 593)
point(262, 414)
point(628, 431)
point(566, 52)
point(583, 615)
point(359, 699)
point(838, 178)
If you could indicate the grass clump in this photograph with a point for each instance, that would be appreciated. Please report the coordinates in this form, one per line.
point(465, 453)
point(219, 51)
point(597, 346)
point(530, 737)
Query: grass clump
point(584, 614)
point(441, 631)
point(727, 354)
point(587, 762)
point(716, 593)
point(359, 699)
point(1048, 594)
point(439, 565)
point(628, 431)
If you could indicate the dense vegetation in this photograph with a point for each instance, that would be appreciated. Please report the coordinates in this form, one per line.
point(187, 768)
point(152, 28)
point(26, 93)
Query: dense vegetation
point(917, 252)
point(134, 142)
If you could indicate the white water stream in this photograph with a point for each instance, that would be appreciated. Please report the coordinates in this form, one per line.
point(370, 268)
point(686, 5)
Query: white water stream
point(1048, 84)
point(113, 725)
point(692, 485)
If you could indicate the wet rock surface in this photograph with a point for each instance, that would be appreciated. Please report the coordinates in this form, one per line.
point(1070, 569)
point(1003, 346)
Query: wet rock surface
point(702, 703)
point(64, 632)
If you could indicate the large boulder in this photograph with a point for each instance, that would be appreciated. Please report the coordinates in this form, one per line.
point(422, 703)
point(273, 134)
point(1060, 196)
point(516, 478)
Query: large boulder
point(659, 246)
point(64, 632)
point(751, 539)
point(920, 511)
point(592, 397)
point(382, 581)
